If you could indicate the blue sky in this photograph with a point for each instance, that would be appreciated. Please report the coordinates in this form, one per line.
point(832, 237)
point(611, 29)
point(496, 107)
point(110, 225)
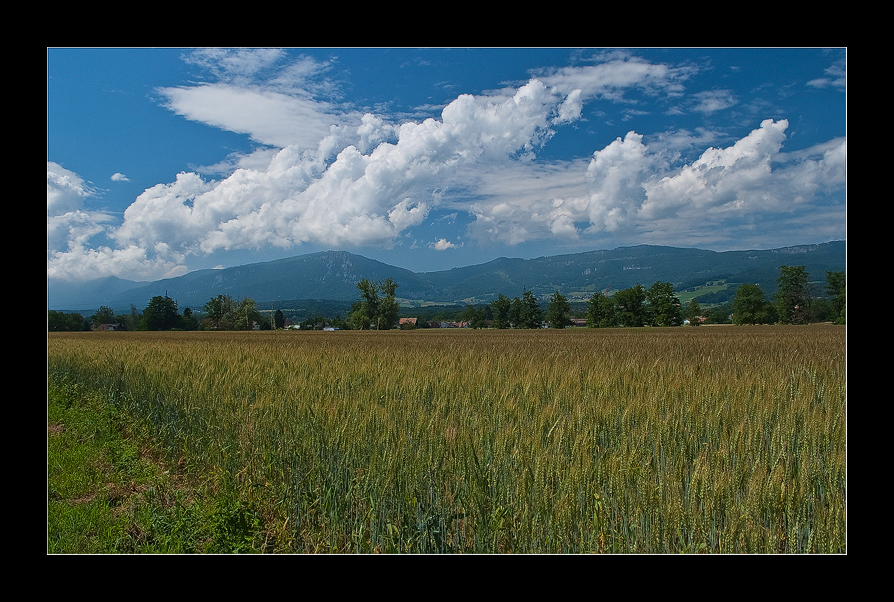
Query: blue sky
point(164, 161)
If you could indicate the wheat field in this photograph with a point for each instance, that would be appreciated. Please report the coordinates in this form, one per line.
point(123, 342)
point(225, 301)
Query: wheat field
point(656, 440)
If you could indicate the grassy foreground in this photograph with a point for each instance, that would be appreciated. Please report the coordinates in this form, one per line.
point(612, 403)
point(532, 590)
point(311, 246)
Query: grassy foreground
point(717, 440)
point(108, 490)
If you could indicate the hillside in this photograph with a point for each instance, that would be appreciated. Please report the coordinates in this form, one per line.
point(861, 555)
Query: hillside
point(333, 275)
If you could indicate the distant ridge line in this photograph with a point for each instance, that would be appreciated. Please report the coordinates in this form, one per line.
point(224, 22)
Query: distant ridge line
point(333, 275)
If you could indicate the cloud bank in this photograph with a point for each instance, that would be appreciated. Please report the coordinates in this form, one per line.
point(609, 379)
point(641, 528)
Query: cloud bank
point(344, 179)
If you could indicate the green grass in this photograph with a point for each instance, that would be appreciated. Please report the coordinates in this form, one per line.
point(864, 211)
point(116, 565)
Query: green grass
point(686, 296)
point(108, 492)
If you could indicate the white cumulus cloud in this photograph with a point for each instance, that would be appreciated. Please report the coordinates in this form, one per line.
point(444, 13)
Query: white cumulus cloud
point(338, 178)
point(442, 244)
point(635, 188)
point(361, 184)
point(66, 190)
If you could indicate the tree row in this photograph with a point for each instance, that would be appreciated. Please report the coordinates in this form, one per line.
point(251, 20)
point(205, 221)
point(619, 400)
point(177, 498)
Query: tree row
point(162, 313)
point(796, 301)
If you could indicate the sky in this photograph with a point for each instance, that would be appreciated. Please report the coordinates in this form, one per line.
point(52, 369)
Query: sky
point(161, 161)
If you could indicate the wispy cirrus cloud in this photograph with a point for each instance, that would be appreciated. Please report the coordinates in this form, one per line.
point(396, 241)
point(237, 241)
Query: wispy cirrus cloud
point(263, 93)
point(614, 74)
point(836, 77)
point(711, 101)
point(269, 117)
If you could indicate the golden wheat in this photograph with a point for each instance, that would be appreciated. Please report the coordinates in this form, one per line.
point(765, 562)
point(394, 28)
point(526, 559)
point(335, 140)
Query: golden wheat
point(719, 440)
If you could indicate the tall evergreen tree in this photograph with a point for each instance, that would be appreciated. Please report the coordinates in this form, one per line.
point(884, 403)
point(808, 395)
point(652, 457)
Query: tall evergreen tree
point(529, 313)
point(793, 295)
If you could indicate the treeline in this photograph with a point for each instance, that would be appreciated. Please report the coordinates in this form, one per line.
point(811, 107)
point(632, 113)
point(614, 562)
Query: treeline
point(162, 313)
point(377, 308)
point(796, 301)
point(639, 306)
point(58, 321)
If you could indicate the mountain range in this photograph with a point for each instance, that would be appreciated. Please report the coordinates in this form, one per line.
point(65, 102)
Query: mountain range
point(333, 275)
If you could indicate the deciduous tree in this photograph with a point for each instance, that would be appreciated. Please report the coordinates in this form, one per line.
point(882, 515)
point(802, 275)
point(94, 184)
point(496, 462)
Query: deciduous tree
point(836, 285)
point(58, 321)
point(601, 311)
point(246, 315)
point(389, 308)
point(631, 306)
point(664, 307)
point(719, 314)
point(220, 312)
point(371, 310)
point(558, 312)
point(751, 306)
point(129, 321)
point(188, 320)
point(500, 308)
point(693, 312)
point(160, 314)
point(105, 315)
point(474, 316)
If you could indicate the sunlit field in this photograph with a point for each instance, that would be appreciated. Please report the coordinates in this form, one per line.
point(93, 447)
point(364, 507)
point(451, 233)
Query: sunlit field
point(656, 440)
